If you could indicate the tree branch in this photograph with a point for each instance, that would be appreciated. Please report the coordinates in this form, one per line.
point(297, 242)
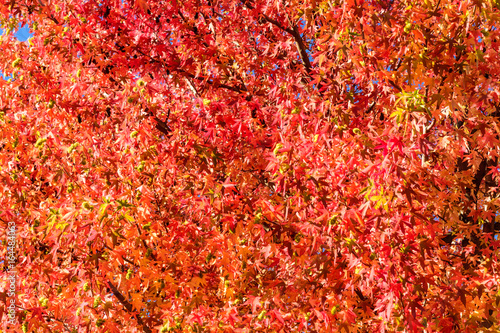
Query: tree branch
point(301, 47)
point(128, 306)
point(51, 17)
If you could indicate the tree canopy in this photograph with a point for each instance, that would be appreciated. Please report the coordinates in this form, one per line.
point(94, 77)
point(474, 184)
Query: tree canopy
point(251, 165)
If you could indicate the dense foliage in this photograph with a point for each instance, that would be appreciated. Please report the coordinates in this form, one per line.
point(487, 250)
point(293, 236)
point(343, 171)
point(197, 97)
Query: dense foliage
point(277, 166)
